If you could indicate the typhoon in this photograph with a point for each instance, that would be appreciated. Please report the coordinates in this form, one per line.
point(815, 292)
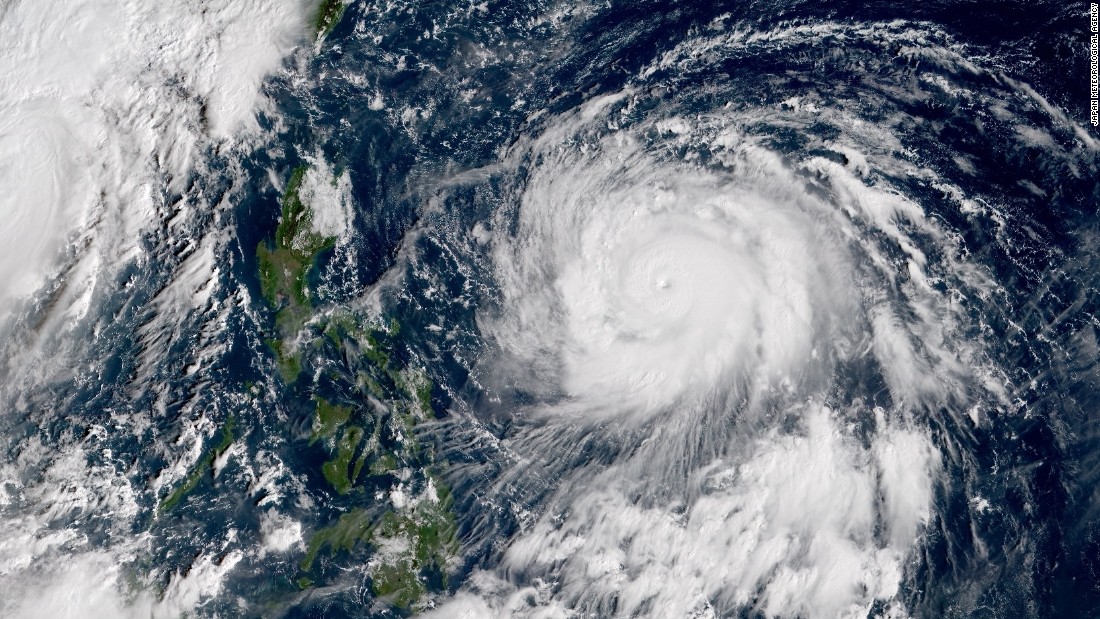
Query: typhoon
point(548, 310)
point(690, 323)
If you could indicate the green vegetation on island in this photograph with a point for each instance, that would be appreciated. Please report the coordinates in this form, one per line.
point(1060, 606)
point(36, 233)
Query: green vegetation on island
point(411, 543)
point(328, 15)
point(329, 419)
point(413, 540)
point(284, 267)
point(338, 471)
point(390, 503)
point(352, 528)
point(204, 467)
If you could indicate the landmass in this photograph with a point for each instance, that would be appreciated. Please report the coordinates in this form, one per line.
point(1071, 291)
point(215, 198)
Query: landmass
point(397, 512)
point(328, 15)
point(204, 467)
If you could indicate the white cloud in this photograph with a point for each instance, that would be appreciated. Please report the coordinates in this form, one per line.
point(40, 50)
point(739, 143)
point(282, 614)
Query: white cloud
point(101, 101)
point(106, 106)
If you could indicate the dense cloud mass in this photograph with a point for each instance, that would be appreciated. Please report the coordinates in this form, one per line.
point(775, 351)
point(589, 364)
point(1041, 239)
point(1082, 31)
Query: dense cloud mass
point(668, 276)
point(109, 110)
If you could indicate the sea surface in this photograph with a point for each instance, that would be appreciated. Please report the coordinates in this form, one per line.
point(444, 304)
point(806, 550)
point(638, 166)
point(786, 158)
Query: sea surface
point(548, 309)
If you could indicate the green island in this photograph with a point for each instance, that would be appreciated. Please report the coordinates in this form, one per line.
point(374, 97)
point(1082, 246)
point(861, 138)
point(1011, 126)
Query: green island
point(336, 471)
point(204, 466)
point(285, 264)
point(415, 538)
point(328, 15)
point(409, 543)
point(424, 539)
point(352, 528)
point(329, 419)
point(366, 427)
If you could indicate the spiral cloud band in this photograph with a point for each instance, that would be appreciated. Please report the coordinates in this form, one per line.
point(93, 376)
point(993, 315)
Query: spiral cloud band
point(667, 282)
point(744, 347)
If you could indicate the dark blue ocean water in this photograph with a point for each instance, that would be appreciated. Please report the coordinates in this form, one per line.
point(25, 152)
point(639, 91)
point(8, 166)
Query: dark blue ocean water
point(487, 76)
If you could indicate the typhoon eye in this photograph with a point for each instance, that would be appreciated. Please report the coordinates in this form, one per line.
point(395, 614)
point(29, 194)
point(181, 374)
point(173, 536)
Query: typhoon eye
point(701, 289)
